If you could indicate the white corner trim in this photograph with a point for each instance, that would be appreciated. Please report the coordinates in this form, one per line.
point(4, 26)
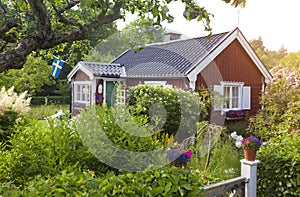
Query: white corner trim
point(254, 57)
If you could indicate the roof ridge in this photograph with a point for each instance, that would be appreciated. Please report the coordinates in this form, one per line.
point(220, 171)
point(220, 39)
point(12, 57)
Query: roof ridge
point(101, 63)
point(184, 39)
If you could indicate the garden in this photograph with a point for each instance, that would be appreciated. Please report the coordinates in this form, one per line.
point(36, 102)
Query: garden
point(159, 145)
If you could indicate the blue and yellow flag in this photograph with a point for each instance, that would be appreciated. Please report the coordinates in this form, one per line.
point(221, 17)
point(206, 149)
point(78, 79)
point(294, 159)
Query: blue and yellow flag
point(56, 67)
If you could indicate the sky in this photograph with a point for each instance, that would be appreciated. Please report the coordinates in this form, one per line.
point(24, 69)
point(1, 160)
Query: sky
point(277, 22)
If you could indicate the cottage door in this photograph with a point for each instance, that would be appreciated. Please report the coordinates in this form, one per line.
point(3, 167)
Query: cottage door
point(110, 93)
point(99, 92)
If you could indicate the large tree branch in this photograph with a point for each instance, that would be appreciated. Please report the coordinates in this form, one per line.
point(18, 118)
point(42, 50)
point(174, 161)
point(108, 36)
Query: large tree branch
point(43, 24)
point(8, 25)
point(15, 58)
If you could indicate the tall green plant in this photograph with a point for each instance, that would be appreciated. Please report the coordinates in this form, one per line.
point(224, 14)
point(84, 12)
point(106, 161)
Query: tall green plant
point(44, 148)
point(279, 170)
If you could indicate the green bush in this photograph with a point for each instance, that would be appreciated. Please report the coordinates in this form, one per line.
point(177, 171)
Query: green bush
point(12, 109)
point(279, 170)
point(44, 148)
point(161, 182)
point(239, 128)
point(183, 109)
point(114, 137)
point(281, 103)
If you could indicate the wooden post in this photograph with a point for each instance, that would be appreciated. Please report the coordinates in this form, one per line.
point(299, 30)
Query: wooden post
point(249, 171)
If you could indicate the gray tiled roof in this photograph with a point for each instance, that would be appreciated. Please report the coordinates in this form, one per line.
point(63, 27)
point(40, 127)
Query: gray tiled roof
point(103, 70)
point(171, 59)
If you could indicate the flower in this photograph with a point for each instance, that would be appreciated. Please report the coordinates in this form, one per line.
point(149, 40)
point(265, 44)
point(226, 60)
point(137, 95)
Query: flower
point(235, 113)
point(178, 156)
point(252, 142)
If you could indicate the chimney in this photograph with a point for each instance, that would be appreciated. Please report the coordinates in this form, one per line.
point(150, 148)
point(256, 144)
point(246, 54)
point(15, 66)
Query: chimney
point(169, 36)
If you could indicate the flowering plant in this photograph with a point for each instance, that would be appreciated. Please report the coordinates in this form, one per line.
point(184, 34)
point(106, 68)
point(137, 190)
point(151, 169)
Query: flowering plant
point(235, 113)
point(179, 157)
point(252, 142)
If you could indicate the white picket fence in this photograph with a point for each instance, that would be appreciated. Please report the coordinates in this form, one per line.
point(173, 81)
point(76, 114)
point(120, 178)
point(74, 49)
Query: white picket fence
point(243, 186)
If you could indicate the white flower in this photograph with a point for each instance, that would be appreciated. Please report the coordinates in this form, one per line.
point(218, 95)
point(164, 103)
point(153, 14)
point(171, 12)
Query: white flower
point(234, 135)
point(238, 144)
point(239, 138)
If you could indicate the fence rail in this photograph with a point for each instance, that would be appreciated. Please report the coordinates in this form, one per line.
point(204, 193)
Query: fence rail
point(243, 186)
point(234, 186)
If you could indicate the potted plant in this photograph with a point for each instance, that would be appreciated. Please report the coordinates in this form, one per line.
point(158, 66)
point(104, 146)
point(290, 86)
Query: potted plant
point(179, 157)
point(250, 145)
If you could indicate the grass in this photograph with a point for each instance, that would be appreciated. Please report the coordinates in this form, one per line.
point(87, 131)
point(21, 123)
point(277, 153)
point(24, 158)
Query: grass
point(43, 111)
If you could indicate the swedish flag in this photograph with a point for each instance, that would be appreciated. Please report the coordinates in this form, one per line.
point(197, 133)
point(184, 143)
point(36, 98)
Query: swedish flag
point(56, 67)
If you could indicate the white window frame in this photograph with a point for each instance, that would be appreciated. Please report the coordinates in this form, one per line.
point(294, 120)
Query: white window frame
point(244, 96)
point(87, 97)
point(158, 83)
point(229, 98)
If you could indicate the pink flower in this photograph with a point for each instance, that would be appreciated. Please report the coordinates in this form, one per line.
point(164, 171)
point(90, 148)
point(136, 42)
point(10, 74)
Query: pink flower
point(189, 153)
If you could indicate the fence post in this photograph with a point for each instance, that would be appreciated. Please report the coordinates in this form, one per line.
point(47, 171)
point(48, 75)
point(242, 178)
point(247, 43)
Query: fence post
point(249, 170)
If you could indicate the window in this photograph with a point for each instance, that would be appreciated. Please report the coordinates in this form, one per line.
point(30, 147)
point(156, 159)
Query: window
point(234, 96)
point(82, 92)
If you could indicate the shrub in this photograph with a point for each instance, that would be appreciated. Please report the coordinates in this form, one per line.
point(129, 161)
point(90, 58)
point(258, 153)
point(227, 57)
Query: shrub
point(41, 148)
point(114, 137)
point(45, 100)
point(12, 108)
point(281, 106)
point(160, 182)
point(182, 108)
point(239, 128)
point(279, 170)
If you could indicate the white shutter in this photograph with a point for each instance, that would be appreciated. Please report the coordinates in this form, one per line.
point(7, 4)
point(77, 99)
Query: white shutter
point(218, 97)
point(246, 100)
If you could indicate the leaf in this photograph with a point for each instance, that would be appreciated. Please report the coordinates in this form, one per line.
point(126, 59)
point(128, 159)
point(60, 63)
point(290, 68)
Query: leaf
point(168, 187)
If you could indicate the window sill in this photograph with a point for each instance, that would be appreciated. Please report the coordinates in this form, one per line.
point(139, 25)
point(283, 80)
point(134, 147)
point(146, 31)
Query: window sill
point(234, 118)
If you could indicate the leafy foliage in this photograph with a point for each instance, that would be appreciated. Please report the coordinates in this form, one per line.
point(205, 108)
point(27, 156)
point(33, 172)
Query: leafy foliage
point(12, 108)
point(281, 106)
point(279, 171)
point(162, 182)
point(178, 106)
point(32, 77)
point(37, 148)
point(268, 57)
point(52, 23)
point(135, 35)
point(211, 153)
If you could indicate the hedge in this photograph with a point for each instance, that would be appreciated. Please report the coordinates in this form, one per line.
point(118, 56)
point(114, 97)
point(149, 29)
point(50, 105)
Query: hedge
point(42, 100)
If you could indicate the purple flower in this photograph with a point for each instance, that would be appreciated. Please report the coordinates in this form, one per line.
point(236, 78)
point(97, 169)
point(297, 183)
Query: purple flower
point(178, 156)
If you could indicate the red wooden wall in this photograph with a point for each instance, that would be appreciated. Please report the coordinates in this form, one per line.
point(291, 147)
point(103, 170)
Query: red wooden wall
point(234, 64)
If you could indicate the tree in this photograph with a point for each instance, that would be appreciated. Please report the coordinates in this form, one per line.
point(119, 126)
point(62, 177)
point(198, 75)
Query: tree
point(135, 35)
point(32, 77)
point(268, 57)
point(292, 61)
point(33, 25)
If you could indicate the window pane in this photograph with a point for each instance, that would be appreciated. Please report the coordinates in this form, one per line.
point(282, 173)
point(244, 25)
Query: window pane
point(235, 103)
point(227, 97)
point(82, 92)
